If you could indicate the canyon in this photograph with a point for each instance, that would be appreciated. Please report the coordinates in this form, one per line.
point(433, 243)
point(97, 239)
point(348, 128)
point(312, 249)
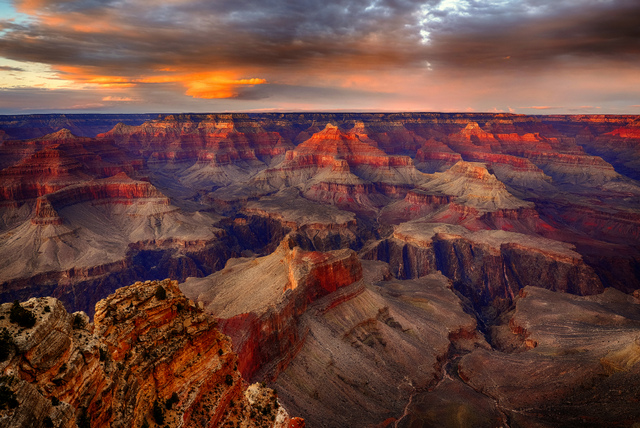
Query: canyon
point(387, 269)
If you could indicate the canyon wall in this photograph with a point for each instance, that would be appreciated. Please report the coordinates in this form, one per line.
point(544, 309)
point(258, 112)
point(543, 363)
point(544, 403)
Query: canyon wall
point(150, 355)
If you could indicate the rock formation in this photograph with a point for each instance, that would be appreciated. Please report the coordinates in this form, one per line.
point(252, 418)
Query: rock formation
point(576, 360)
point(150, 357)
point(278, 289)
point(488, 267)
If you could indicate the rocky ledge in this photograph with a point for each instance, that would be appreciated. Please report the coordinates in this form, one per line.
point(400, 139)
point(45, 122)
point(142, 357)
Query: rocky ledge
point(150, 358)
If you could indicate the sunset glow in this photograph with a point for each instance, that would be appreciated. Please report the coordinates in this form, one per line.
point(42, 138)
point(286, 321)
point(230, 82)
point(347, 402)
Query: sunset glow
point(502, 55)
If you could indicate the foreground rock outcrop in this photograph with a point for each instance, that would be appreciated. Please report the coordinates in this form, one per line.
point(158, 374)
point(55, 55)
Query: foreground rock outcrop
point(150, 358)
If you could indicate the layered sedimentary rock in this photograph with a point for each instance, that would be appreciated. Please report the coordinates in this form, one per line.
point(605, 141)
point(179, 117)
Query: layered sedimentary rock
point(99, 229)
point(86, 125)
point(435, 156)
point(466, 194)
point(100, 158)
point(496, 203)
point(512, 170)
point(201, 152)
point(376, 346)
point(389, 135)
point(337, 168)
point(276, 290)
point(489, 267)
point(149, 355)
point(320, 226)
point(620, 147)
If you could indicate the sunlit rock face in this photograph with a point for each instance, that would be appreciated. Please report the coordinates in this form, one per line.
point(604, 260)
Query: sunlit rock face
point(148, 346)
point(263, 326)
point(377, 269)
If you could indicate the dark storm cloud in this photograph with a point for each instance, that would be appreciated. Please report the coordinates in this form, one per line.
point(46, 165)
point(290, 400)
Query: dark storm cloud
point(540, 34)
point(217, 34)
point(287, 33)
point(457, 54)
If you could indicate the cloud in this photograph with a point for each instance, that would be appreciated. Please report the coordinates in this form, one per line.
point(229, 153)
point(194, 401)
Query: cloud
point(249, 51)
point(7, 68)
point(118, 99)
point(541, 108)
point(125, 37)
point(539, 34)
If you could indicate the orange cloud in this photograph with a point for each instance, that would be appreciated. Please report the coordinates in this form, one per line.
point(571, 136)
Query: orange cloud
point(28, 6)
point(117, 99)
point(87, 75)
point(205, 85)
point(215, 86)
point(198, 85)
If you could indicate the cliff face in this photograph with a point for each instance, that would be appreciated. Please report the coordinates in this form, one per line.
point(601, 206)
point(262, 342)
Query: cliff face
point(150, 355)
point(488, 267)
point(264, 326)
point(220, 133)
point(102, 232)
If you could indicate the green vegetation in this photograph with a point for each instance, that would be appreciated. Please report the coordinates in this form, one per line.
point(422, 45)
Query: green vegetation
point(228, 380)
point(79, 322)
point(83, 420)
point(23, 317)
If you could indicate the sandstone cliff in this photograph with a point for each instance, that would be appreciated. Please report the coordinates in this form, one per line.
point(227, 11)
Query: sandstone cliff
point(151, 357)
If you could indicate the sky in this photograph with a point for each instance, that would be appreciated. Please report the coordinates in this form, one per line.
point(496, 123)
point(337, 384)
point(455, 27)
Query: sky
point(149, 56)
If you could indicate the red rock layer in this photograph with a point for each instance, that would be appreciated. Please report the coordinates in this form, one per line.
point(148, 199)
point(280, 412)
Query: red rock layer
point(390, 136)
point(215, 139)
point(323, 147)
point(117, 189)
point(566, 160)
point(473, 134)
point(56, 161)
point(44, 172)
point(515, 163)
point(356, 197)
point(268, 341)
point(620, 147)
point(13, 151)
point(598, 222)
point(144, 347)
